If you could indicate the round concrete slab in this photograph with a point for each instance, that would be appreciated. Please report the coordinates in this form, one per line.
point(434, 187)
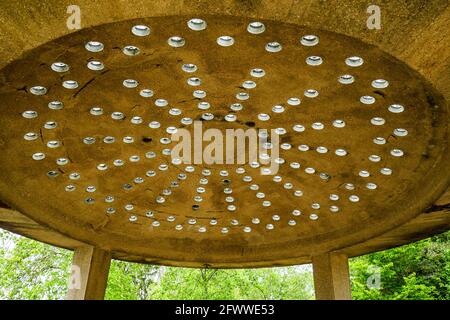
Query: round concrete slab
point(86, 123)
point(85, 147)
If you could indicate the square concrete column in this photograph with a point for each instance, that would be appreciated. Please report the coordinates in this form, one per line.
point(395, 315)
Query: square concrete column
point(89, 274)
point(331, 277)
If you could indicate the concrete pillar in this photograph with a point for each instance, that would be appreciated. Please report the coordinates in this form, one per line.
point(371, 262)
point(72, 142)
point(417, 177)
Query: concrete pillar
point(89, 274)
point(331, 277)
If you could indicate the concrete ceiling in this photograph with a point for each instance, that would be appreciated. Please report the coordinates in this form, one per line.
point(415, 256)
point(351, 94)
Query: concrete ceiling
point(282, 236)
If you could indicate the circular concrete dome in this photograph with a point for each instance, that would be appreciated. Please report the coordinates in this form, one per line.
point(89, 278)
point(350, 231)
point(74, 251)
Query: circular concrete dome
point(357, 125)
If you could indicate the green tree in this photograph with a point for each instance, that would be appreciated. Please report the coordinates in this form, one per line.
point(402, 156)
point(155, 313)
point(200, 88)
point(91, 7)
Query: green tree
point(31, 269)
point(132, 281)
point(267, 283)
point(420, 270)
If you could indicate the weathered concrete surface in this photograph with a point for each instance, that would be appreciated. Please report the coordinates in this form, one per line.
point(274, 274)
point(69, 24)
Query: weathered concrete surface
point(414, 34)
point(415, 31)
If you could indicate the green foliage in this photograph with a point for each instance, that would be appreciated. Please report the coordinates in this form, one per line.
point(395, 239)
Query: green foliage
point(131, 281)
point(32, 270)
point(420, 270)
point(273, 283)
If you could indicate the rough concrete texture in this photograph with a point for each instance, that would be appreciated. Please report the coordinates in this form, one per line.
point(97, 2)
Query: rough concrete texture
point(415, 34)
